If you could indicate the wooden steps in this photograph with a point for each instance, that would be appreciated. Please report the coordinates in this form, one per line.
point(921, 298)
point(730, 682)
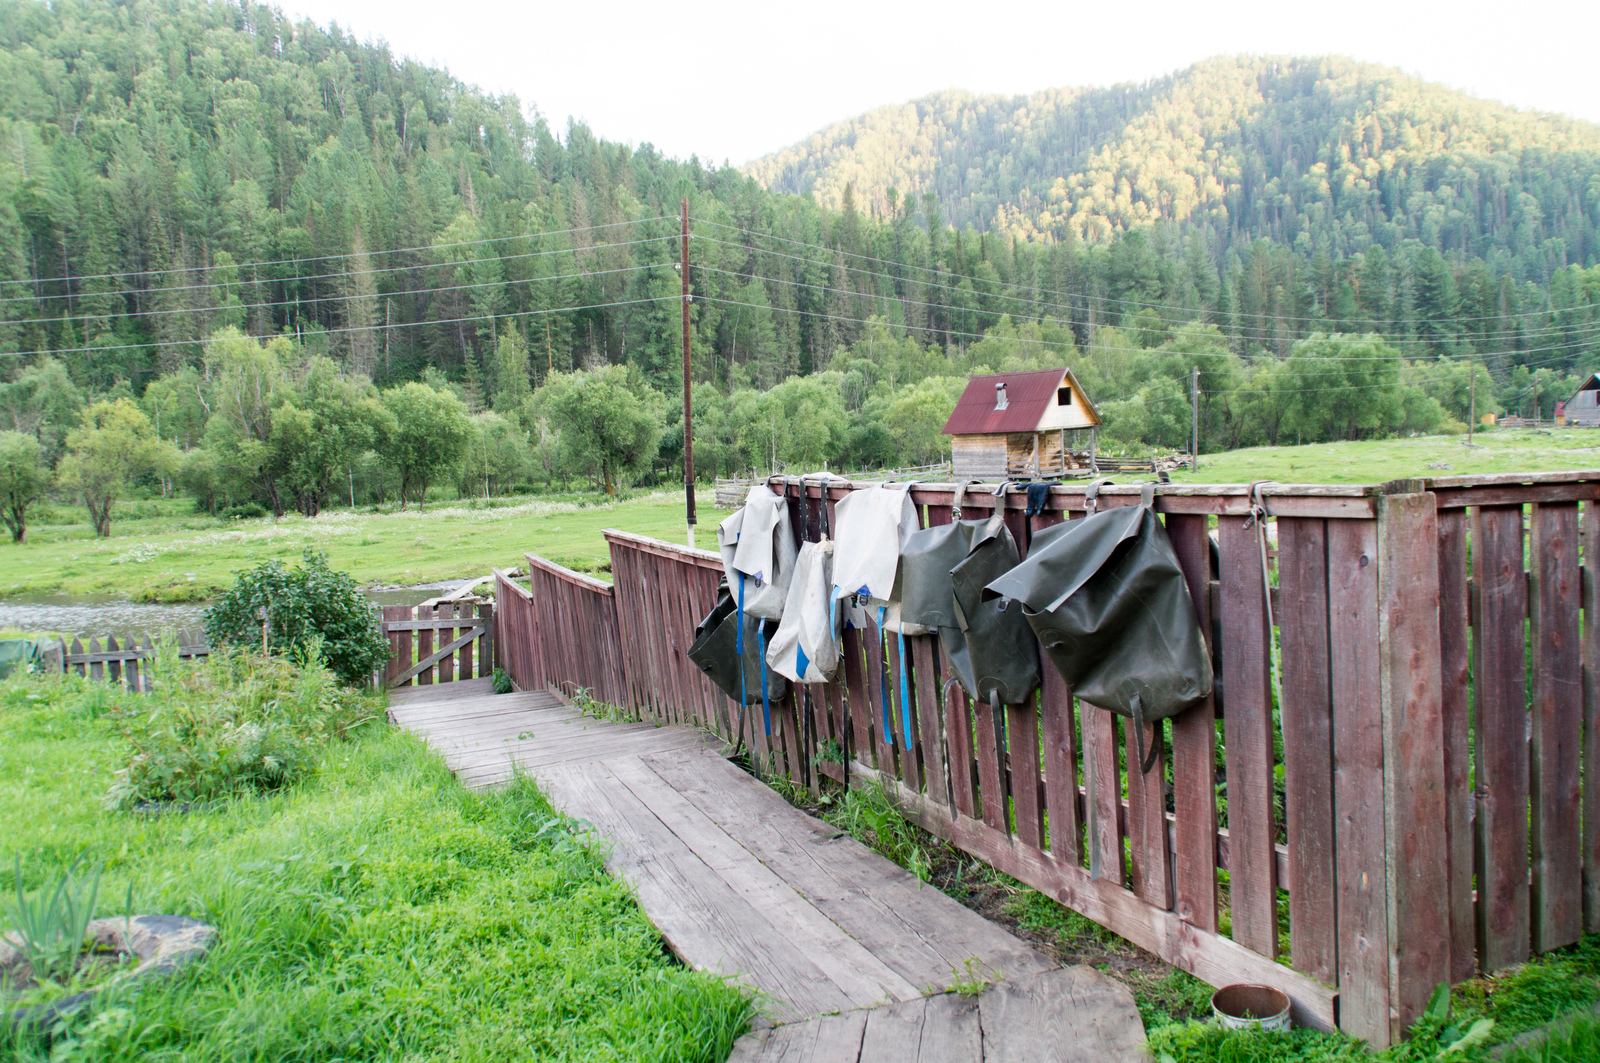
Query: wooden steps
point(741, 883)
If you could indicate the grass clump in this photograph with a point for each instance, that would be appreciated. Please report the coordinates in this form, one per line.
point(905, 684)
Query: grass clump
point(371, 909)
point(236, 722)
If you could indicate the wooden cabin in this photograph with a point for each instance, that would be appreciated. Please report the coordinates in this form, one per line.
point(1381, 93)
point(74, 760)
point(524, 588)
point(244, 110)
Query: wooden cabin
point(1584, 406)
point(1033, 425)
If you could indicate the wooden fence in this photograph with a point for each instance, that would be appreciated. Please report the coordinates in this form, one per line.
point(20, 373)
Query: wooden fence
point(1412, 788)
point(117, 662)
point(463, 632)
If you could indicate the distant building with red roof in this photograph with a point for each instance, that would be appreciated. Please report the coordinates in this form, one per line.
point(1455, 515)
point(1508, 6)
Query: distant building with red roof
point(1009, 425)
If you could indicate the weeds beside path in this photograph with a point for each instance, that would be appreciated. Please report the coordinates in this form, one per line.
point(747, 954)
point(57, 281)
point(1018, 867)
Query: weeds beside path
point(374, 910)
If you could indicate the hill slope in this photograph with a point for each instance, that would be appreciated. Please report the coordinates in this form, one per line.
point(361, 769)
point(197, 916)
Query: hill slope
point(1328, 149)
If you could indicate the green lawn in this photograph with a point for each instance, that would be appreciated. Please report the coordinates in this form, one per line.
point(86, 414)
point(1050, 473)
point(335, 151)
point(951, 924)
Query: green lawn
point(163, 551)
point(374, 911)
point(1501, 450)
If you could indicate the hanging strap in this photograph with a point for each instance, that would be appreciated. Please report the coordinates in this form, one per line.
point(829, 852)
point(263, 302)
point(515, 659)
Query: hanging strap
point(738, 642)
point(1147, 493)
point(883, 673)
point(1147, 757)
point(1091, 494)
point(1258, 519)
point(766, 703)
point(905, 686)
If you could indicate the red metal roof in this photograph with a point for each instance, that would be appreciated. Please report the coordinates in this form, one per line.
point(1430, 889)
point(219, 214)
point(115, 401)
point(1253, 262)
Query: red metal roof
point(1028, 396)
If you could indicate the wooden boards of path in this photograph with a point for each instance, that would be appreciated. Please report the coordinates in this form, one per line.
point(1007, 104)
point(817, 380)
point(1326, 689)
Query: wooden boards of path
point(738, 881)
point(1068, 1015)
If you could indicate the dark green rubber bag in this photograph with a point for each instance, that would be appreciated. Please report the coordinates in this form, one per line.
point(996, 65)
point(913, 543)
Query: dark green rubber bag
point(1108, 601)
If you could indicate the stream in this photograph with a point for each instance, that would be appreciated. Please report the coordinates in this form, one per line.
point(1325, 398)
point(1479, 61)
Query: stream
point(89, 615)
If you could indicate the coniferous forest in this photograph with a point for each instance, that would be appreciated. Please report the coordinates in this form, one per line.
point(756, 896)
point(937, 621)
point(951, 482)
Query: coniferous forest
point(258, 235)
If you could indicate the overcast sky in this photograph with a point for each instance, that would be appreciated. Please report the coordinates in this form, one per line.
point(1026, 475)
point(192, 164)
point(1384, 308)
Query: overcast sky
point(731, 81)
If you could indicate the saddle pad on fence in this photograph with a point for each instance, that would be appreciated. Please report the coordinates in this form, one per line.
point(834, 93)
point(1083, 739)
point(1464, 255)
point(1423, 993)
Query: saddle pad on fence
point(758, 542)
point(805, 647)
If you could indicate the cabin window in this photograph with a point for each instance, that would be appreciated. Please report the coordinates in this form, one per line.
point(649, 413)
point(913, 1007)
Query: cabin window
point(1063, 396)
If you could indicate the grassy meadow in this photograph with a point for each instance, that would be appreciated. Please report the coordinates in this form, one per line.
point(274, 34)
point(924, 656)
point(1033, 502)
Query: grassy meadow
point(161, 550)
point(374, 909)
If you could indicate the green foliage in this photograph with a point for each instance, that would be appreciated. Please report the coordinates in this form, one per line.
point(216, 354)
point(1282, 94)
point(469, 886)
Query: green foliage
point(870, 814)
point(23, 479)
point(309, 609)
point(502, 682)
point(234, 723)
point(52, 925)
point(431, 433)
point(378, 910)
point(610, 425)
point(114, 445)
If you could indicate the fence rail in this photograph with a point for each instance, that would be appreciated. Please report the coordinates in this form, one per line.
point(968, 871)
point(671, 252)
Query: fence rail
point(464, 632)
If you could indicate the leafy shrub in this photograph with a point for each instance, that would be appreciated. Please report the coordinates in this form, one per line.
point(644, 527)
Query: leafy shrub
point(309, 605)
point(52, 925)
point(236, 722)
point(244, 511)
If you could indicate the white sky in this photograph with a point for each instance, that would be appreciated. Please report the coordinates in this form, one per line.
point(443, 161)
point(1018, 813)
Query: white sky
point(731, 81)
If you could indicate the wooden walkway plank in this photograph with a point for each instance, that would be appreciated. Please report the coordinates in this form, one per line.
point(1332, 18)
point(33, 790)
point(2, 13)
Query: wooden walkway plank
point(832, 1038)
point(917, 930)
point(1074, 1015)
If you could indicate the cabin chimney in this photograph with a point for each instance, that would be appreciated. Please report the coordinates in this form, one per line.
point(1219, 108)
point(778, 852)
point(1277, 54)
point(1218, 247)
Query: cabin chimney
point(1000, 402)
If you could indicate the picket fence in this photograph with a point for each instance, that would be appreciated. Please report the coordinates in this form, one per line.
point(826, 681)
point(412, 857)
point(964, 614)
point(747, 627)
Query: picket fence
point(1406, 808)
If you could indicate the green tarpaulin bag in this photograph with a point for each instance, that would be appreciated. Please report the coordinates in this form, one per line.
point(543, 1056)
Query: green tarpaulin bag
point(718, 646)
point(1108, 601)
point(17, 653)
point(943, 572)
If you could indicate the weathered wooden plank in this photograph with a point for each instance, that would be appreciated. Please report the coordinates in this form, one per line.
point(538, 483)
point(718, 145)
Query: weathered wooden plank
point(881, 715)
point(940, 1029)
point(990, 748)
point(1194, 742)
point(1554, 783)
point(1022, 732)
point(1307, 723)
point(704, 919)
point(836, 1038)
point(1103, 801)
point(1500, 722)
point(859, 697)
point(1591, 718)
point(1247, 732)
point(1074, 1015)
point(923, 935)
point(1359, 837)
point(930, 733)
point(1149, 862)
point(958, 744)
point(1516, 495)
point(1413, 755)
point(1060, 764)
point(1455, 690)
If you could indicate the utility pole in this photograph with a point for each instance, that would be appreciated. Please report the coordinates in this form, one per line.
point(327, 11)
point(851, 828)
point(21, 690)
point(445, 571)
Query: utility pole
point(1194, 421)
point(688, 417)
point(1472, 399)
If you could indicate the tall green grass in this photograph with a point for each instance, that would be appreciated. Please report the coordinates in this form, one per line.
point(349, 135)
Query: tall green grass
point(373, 910)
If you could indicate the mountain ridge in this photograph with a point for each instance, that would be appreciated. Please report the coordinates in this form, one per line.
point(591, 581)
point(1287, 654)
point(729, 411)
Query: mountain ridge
point(1200, 145)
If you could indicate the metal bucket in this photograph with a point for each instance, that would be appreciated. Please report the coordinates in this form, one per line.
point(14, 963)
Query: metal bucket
point(1247, 1007)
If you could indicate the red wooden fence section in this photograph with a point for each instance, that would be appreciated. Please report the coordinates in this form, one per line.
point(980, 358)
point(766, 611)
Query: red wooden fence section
point(1404, 759)
point(438, 643)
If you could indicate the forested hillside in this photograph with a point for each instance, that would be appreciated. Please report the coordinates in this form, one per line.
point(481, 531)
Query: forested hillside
point(1319, 154)
point(281, 246)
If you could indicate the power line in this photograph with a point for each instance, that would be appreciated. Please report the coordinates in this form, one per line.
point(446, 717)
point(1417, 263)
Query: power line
point(938, 272)
point(291, 303)
point(1262, 333)
point(1093, 346)
point(321, 276)
point(336, 331)
point(336, 255)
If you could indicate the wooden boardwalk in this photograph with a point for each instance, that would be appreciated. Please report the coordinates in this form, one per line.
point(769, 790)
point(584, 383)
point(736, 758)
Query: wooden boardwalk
point(741, 883)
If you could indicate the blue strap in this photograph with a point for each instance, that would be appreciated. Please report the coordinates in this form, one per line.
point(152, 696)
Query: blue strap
point(905, 699)
point(766, 705)
point(888, 730)
point(738, 646)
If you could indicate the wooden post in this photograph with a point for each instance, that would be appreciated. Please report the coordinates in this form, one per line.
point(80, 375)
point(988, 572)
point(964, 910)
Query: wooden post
point(688, 416)
point(1417, 858)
